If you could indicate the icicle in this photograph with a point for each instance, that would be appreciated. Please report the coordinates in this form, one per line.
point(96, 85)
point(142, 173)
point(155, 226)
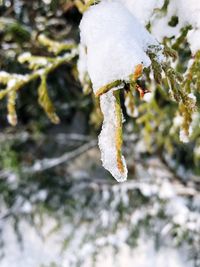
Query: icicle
point(110, 138)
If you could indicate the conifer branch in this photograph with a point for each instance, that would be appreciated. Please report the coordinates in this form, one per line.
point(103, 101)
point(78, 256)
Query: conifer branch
point(14, 82)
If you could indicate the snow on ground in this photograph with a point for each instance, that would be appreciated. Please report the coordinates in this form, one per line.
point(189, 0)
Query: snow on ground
point(154, 180)
point(37, 251)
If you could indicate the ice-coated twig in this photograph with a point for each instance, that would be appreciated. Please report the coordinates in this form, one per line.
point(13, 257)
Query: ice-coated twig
point(110, 138)
point(49, 163)
point(45, 164)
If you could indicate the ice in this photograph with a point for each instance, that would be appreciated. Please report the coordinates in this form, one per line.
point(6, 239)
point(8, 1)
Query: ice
point(107, 138)
point(116, 43)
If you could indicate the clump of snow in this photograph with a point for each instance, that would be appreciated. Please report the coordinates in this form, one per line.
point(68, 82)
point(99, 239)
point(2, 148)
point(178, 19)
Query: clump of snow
point(4, 74)
point(148, 97)
point(192, 97)
point(161, 21)
point(24, 57)
point(12, 83)
point(142, 9)
point(188, 13)
point(194, 39)
point(166, 190)
point(107, 138)
point(116, 43)
point(183, 136)
point(131, 111)
point(82, 66)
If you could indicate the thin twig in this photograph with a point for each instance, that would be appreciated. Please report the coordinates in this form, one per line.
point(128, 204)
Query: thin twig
point(45, 164)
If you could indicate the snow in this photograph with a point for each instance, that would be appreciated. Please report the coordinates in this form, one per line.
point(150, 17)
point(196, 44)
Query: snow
point(24, 57)
point(82, 66)
point(142, 9)
point(183, 136)
point(188, 13)
point(38, 252)
point(148, 97)
point(192, 97)
point(12, 83)
point(116, 43)
point(4, 74)
point(194, 40)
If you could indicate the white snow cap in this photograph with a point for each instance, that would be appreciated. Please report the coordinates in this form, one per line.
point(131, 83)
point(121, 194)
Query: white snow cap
point(142, 9)
point(188, 13)
point(116, 42)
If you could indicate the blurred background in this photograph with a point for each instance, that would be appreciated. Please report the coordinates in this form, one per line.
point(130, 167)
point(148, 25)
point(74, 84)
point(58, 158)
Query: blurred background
point(58, 206)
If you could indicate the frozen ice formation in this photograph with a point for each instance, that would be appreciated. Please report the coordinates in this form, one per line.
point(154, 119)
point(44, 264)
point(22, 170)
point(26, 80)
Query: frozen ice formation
point(107, 138)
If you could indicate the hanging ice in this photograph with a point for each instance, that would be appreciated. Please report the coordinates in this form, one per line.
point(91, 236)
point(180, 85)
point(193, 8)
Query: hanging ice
point(114, 163)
